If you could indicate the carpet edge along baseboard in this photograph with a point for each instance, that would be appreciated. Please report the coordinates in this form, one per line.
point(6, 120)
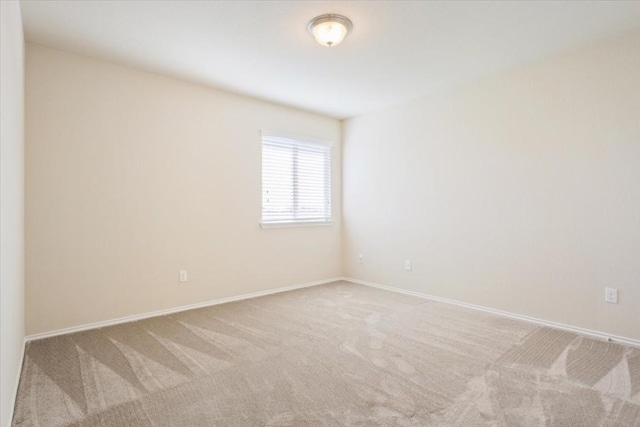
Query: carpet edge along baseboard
point(502, 313)
point(576, 329)
point(163, 312)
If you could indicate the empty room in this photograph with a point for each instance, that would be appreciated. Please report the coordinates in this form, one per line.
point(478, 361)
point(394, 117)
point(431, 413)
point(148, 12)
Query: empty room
point(320, 213)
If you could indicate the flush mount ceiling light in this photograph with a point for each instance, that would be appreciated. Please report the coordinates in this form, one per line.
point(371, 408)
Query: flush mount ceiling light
point(329, 30)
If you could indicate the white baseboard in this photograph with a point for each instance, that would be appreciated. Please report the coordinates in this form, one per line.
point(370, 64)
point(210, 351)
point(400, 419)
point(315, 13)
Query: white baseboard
point(578, 330)
point(174, 310)
point(583, 331)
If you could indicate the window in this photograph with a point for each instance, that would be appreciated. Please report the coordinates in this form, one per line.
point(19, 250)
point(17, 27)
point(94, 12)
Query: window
point(296, 181)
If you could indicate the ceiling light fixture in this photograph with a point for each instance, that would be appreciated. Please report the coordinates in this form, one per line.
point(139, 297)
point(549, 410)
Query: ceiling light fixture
point(329, 30)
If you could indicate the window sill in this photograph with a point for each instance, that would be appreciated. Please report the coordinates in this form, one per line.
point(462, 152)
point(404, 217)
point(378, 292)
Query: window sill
point(295, 224)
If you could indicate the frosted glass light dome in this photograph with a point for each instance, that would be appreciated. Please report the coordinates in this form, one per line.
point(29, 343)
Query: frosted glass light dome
point(329, 30)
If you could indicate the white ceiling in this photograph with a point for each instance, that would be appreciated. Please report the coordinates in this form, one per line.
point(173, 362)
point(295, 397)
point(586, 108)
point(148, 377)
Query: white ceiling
point(398, 50)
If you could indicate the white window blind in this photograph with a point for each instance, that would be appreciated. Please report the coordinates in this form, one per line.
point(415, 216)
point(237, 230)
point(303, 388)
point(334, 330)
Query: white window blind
point(296, 180)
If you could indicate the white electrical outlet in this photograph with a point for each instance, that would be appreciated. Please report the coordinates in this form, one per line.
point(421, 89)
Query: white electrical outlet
point(183, 275)
point(360, 259)
point(407, 264)
point(611, 295)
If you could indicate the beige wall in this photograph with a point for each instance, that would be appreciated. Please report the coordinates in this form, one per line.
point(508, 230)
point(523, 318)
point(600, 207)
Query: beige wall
point(520, 192)
point(131, 177)
point(517, 192)
point(11, 204)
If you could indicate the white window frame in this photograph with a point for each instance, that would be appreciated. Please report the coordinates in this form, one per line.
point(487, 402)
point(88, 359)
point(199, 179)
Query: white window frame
point(296, 142)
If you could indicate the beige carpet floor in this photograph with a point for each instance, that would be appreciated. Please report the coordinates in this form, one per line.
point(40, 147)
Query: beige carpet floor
point(333, 355)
